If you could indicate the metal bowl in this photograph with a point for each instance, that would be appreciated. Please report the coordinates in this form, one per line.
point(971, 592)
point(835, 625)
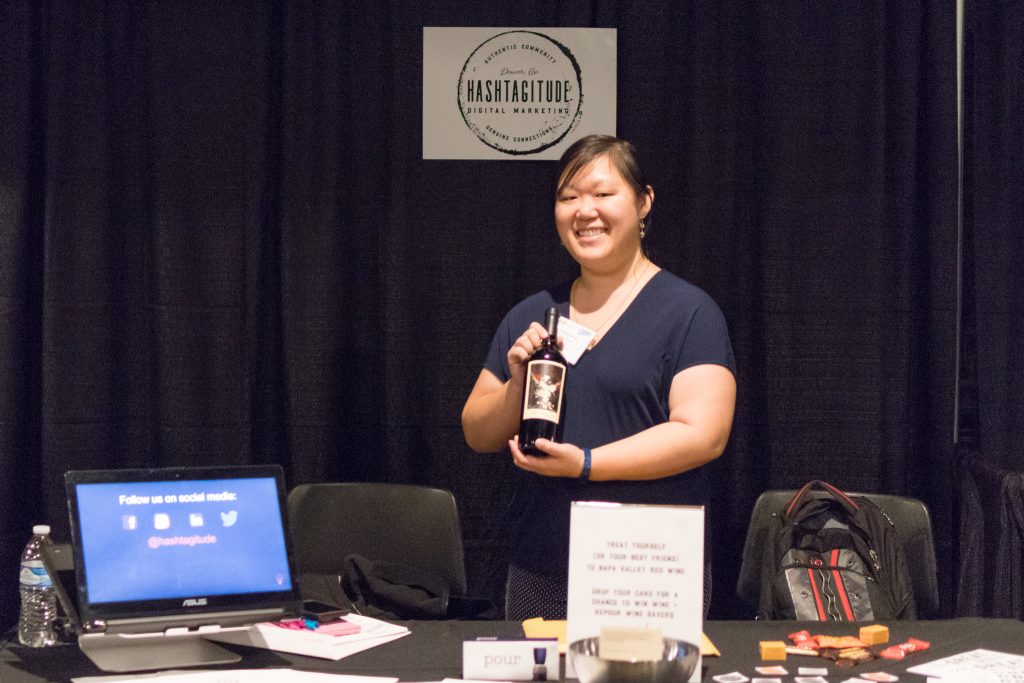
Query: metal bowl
point(678, 660)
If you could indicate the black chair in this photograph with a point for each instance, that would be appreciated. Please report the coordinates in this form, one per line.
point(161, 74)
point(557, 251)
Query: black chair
point(913, 528)
point(413, 525)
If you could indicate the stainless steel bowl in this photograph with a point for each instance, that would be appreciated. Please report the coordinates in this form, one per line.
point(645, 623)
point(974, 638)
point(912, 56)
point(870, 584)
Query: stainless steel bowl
point(678, 660)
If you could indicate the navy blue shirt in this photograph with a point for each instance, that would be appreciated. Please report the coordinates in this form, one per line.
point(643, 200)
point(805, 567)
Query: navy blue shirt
point(618, 388)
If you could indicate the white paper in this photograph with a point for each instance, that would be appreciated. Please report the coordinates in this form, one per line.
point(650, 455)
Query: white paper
point(373, 632)
point(235, 676)
point(977, 666)
point(636, 566)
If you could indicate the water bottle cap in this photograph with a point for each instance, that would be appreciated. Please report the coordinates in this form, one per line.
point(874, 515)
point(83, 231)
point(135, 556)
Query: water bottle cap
point(41, 529)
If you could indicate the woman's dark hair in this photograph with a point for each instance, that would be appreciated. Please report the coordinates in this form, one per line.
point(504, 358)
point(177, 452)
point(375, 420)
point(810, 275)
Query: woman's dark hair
point(585, 150)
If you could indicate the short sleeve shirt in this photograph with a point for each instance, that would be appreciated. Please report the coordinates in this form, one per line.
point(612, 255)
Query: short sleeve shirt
point(618, 388)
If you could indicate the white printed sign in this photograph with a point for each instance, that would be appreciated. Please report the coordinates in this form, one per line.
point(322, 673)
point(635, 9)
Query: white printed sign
point(515, 93)
point(977, 666)
point(639, 566)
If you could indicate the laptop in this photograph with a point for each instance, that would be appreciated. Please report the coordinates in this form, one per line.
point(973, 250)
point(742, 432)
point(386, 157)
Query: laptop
point(164, 556)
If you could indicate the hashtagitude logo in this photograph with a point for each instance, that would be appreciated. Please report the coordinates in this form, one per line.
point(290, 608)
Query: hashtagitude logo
point(521, 92)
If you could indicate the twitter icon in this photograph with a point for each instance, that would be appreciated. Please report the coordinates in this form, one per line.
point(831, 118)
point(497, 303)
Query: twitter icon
point(229, 518)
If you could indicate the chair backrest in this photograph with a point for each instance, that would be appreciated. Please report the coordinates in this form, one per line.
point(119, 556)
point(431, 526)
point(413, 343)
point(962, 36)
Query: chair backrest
point(414, 525)
point(913, 528)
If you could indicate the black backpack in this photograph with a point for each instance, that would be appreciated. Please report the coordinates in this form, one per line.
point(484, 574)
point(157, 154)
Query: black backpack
point(833, 557)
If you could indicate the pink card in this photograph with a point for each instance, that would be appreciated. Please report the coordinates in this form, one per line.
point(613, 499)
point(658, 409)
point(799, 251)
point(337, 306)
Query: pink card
point(338, 628)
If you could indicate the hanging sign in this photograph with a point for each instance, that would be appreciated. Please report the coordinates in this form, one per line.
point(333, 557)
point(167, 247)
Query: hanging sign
point(515, 93)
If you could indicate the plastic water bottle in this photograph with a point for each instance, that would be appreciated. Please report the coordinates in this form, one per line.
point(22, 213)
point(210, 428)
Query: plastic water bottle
point(38, 599)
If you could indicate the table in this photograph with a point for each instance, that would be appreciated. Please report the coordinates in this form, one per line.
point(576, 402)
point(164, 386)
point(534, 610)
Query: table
point(434, 650)
point(738, 642)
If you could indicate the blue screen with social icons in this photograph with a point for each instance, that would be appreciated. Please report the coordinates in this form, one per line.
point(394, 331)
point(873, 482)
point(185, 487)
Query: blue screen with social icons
point(153, 540)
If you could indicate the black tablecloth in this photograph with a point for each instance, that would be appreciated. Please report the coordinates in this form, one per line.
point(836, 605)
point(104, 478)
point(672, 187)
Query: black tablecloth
point(433, 651)
point(738, 642)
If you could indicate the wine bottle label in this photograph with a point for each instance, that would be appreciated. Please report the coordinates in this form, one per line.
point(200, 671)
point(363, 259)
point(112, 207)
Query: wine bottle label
point(543, 397)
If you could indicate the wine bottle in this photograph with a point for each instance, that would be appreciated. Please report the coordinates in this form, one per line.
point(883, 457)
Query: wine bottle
point(543, 390)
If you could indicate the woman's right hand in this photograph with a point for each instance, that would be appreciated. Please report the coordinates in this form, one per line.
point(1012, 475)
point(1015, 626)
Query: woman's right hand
point(491, 414)
point(523, 348)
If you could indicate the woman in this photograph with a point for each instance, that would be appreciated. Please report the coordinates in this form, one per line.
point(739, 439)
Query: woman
point(649, 401)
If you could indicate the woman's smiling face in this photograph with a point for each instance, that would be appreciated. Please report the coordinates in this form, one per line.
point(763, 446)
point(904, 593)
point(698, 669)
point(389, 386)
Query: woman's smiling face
point(598, 217)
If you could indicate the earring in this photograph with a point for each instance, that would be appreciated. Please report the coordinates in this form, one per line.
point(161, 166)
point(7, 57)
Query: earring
point(643, 230)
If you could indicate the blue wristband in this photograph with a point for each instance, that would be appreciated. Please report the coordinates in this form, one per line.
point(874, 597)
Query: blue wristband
point(585, 474)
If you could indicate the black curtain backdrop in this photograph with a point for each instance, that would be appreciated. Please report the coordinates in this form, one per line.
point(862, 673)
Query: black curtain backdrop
point(994, 225)
point(991, 418)
point(219, 244)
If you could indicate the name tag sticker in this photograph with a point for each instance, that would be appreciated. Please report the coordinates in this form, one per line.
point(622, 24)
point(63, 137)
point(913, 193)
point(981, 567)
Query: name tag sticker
point(575, 339)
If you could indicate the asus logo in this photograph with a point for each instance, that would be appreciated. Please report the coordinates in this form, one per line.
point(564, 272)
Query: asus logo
point(194, 602)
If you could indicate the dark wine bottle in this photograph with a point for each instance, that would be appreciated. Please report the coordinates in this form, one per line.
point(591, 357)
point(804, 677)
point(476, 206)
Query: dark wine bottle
point(543, 391)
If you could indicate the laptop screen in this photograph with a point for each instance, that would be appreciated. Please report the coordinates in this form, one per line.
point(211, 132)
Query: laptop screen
point(182, 541)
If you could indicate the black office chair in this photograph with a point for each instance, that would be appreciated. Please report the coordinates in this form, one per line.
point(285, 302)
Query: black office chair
point(416, 526)
point(913, 528)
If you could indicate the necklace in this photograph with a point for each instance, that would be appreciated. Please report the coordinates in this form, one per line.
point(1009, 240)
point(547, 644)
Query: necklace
point(614, 314)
